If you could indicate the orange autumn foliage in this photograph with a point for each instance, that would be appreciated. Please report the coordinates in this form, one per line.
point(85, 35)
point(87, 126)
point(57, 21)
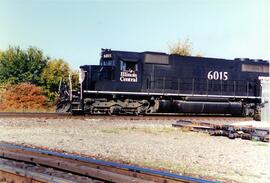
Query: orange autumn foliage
point(22, 96)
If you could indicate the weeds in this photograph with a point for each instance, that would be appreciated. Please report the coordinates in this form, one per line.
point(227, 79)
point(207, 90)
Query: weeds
point(143, 129)
point(111, 130)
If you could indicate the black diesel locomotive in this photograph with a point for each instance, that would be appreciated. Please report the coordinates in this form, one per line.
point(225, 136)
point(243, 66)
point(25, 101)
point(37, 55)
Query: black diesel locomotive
point(152, 82)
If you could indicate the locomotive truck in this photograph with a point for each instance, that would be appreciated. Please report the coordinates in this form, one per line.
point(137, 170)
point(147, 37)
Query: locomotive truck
point(127, 82)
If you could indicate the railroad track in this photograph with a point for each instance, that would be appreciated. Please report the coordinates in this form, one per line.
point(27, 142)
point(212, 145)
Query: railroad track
point(18, 164)
point(126, 117)
point(34, 114)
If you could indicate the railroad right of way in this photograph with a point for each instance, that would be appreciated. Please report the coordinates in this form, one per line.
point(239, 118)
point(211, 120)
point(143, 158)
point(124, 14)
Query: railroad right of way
point(14, 159)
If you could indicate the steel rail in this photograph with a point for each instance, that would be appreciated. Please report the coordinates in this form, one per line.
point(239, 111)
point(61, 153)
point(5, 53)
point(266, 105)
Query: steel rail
point(34, 114)
point(135, 173)
point(122, 117)
point(13, 174)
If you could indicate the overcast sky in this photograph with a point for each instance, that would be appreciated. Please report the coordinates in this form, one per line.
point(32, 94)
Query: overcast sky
point(77, 30)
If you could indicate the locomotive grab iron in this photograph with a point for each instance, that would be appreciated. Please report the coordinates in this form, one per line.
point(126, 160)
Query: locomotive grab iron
point(152, 82)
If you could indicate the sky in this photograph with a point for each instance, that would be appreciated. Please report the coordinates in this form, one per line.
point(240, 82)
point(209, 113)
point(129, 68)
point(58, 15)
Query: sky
point(76, 30)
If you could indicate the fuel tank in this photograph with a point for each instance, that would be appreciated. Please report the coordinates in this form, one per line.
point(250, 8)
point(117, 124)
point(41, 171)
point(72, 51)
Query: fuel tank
point(200, 107)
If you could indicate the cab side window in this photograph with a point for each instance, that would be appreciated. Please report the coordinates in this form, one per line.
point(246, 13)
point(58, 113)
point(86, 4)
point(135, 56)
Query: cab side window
point(125, 66)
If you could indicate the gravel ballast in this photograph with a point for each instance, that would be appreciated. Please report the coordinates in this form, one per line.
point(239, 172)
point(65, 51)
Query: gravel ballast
point(153, 143)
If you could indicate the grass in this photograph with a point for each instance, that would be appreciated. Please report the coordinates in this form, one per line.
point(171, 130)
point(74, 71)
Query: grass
point(173, 167)
point(189, 170)
point(144, 129)
point(257, 143)
point(111, 130)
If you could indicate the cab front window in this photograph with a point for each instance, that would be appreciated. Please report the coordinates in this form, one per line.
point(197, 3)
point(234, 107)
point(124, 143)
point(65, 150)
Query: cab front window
point(107, 62)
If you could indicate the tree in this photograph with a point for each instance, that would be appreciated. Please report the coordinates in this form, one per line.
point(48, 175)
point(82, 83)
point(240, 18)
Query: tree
point(75, 79)
point(30, 97)
point(56, 71)
point(183, 48)
point(17, 65)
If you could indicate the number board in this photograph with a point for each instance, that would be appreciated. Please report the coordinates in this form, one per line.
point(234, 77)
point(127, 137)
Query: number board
point(106, 55)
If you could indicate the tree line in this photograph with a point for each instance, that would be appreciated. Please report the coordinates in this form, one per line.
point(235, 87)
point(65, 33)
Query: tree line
point(31, 70)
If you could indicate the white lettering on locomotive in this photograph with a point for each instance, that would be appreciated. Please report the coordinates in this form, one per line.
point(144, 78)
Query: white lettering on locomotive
point(107, 55)
point(126, 76)
point(216, 75)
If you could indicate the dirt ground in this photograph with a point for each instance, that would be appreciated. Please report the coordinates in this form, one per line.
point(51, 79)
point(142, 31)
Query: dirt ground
point(153, 143)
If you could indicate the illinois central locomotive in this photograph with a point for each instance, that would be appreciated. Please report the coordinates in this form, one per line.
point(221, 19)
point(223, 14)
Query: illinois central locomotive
point(152, 82)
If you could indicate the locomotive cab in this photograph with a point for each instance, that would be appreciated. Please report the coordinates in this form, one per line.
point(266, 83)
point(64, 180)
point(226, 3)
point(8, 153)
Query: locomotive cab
point(103, 86)
point(126, 71)
point(114, 73)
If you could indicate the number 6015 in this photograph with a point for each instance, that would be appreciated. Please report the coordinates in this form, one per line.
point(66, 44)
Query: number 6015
point(216, 75)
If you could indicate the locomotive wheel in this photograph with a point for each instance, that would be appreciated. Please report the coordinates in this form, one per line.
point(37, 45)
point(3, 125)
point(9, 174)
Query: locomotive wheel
point(115, 109)
point(136, 112)
point(140, 110)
